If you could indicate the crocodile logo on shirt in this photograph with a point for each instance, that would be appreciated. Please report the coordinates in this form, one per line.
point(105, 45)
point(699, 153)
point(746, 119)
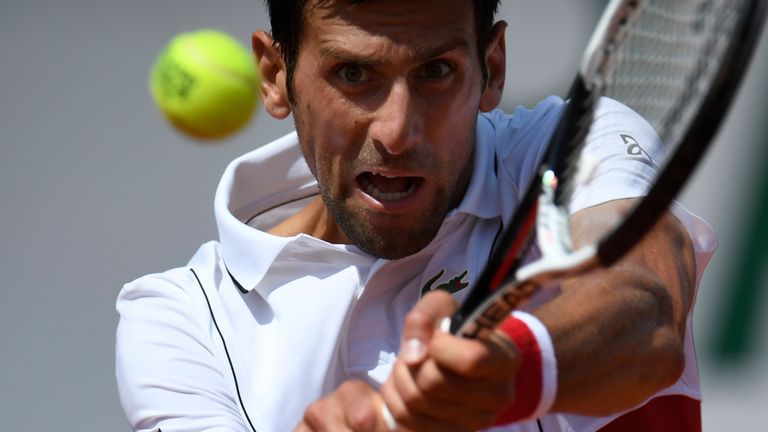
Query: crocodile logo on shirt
point(453, 285)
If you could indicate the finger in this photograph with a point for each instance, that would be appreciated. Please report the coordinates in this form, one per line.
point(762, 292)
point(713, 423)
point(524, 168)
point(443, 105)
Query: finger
point(412, 411)
point(421, 323)
point(429, 390)
point(364, 413)
point(303, 427)
point(408, 421)
point(495, 356)
point(324, 415)
point(354, 406)
point(363, 407)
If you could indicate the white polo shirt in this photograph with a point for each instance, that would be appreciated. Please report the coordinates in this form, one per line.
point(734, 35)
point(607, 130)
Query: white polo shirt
point(256, 327)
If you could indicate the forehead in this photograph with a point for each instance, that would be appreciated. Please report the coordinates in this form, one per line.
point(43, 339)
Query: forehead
point(410, 22)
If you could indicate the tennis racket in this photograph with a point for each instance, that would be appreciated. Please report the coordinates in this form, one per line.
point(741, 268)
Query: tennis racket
point(677, 63)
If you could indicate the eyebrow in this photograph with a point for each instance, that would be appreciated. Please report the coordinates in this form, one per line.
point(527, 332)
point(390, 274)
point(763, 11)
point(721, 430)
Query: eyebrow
point(419, 55)
point(345, 56)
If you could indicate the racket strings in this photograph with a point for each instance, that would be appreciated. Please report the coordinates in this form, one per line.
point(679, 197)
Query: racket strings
point(669, 57)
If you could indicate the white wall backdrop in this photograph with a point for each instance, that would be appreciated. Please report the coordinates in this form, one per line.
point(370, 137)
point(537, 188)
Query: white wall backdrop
point(96, 189)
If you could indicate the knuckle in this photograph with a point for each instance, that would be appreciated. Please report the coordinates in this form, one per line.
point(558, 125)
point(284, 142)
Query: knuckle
point(432, 384)
point(362, 420)
point(315, 413)
point(440, 296)
point(417, 319)
point(347, 389)
point(399, 413)
point(412, 399)
point(473, 359)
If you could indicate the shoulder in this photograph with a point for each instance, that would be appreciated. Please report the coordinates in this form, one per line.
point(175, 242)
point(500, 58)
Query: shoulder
point(519, 137)
point(522, 119)
point(612, 115)
point(175, 288)
point(171, 365)
point(514, 143)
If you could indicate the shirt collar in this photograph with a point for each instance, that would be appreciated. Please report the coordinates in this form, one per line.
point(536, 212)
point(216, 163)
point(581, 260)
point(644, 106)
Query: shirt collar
point(252, 184)
point(280, 175)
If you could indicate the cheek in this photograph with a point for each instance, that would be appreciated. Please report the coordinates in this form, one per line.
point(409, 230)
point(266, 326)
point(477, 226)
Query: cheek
point(454, 117)
point(324, 148)
point(457, 137)
point(325, 116)
point(455, 148)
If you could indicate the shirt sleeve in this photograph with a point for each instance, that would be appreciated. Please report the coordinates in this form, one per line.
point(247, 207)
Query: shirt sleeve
point(167, 374)
point(619, 158)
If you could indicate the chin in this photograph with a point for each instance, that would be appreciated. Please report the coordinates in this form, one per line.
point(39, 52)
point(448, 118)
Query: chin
point(390, 245)
point(388, 238)
point(393, 252)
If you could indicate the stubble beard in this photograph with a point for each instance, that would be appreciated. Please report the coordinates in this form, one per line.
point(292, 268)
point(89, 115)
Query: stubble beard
point(387, 244)
point(412, 233)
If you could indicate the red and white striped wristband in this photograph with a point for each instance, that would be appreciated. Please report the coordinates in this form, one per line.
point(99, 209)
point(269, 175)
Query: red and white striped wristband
point(536, 383)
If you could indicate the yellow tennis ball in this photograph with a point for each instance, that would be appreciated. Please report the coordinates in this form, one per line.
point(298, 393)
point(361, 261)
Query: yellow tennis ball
point(206, 83)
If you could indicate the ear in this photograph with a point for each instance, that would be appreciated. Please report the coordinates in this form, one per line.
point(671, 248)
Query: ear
point(274, 93)
point(496, 64)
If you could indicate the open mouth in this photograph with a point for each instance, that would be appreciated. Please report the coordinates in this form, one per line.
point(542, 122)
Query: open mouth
point(384, 188)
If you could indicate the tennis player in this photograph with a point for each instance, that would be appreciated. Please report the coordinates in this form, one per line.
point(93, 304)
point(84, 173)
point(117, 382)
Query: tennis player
point(342, 246)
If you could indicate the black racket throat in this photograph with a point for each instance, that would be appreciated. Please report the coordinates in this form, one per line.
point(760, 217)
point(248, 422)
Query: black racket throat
point(500, 265)
point(568, 140)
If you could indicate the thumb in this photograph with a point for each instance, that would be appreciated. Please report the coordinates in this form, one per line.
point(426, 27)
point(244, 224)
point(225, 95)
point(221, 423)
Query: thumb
point(421, 323)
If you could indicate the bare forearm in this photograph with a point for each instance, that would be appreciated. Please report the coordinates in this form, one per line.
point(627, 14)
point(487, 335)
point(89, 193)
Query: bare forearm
point(619, 333)
point(614, 352)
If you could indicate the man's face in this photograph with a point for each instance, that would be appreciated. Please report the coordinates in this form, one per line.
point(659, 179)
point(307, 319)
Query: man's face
point(386, 99)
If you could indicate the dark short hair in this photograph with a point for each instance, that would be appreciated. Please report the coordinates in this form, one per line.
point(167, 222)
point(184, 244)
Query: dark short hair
point(286, 19)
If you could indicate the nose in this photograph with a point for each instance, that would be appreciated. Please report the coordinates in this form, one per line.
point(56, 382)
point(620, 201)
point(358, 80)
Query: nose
point(397, 123)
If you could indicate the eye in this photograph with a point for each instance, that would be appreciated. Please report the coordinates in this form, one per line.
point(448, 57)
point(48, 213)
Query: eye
point(352, 73)
point(436, 70)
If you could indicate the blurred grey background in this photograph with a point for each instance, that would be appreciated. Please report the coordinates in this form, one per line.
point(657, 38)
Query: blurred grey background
point(97, 189)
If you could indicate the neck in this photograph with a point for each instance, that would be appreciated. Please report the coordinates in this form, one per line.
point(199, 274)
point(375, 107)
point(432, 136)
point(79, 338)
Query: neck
point(314, 220)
